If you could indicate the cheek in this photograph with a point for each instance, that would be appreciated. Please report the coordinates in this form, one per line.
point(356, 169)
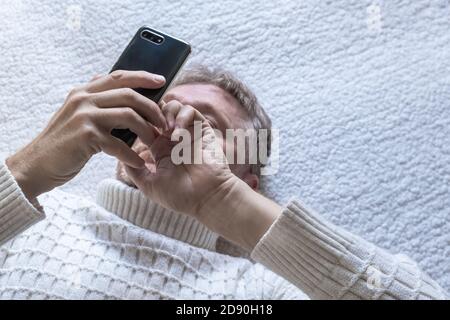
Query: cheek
point(235, 169)
point(226, 145)
point(230, 148)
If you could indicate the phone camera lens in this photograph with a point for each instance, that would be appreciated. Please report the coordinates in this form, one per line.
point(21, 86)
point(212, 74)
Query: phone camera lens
point(152, 37)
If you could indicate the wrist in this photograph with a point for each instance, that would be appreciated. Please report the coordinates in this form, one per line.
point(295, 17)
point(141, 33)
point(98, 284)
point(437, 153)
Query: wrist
point(240, 214)
point(23, 174)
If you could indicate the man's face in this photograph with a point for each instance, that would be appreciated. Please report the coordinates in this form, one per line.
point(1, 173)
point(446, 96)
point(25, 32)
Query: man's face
point(220, 109)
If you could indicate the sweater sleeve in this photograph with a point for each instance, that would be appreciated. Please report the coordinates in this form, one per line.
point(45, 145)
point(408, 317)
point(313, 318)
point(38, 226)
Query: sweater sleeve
point(327, 262)
point(16, 212)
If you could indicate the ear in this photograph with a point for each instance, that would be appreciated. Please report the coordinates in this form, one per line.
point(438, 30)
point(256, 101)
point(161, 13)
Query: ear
point(252, 180)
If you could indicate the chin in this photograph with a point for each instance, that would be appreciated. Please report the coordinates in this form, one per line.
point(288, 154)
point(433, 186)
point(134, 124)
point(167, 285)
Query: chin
point(122, 175)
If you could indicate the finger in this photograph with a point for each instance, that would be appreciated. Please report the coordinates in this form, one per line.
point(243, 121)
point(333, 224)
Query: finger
point(120, 150)
point(125, 97)
point(96, 77)
point(161, 148)
point(126, 118)
point(170, 111)
point(141, 177)
point(126, 79)
point(185, 117)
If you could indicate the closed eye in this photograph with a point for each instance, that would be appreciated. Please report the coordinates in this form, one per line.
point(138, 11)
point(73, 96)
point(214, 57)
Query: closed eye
point(212, 122)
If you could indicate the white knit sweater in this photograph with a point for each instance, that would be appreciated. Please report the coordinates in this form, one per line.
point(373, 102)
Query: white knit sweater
point(125, 247)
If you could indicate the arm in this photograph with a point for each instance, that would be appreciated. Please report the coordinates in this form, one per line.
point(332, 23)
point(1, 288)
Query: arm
point(321, 259)
point(79, 130)
point(16, 212)
point(324, 261)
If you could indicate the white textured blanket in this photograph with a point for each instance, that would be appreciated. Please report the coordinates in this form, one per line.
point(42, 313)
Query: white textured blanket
point(360, 90)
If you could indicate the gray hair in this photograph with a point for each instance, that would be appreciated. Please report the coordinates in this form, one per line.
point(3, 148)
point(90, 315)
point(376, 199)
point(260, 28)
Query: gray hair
point(237, 89)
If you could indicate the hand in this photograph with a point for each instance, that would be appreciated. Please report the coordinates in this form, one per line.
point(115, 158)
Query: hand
point(185, 187)
point(208, 191)
point(82, 128)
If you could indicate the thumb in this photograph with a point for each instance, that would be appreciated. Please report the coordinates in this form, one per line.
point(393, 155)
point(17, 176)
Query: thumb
point(139, 176)
point(161, 148)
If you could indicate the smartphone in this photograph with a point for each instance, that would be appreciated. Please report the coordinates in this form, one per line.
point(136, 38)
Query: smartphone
point(156, 52)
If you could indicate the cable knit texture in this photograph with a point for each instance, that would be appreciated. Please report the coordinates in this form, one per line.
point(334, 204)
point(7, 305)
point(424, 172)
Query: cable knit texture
point(330, 263)
point(83, 251)
point(125, 247)
point(16, 213)
point(358, 89)
point(133, 206)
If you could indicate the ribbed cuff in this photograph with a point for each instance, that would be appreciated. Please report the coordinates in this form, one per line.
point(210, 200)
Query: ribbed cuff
point(16, 212)
point(327, 262)
point(132, 205)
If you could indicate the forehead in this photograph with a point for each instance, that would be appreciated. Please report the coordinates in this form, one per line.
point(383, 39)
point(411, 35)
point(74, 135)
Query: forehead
point(199, 91)
point(215, 98)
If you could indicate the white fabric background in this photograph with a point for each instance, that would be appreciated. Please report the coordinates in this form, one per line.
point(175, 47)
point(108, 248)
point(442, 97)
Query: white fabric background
point(363, 108)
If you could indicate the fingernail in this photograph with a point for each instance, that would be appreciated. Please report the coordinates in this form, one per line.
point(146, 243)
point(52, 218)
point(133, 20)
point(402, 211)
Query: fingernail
point(159, 79)
point(164, 125)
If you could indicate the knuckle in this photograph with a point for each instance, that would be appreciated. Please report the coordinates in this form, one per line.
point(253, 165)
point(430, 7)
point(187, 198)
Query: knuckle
point(78, 97)
point(96, 77)
point(74, 91)
point(82, 118)
point(76, 94)
point(118, 75)
point(129, 114)
point(165, 108)
point(173, 105)
point(88, 132)
point(129, 93)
